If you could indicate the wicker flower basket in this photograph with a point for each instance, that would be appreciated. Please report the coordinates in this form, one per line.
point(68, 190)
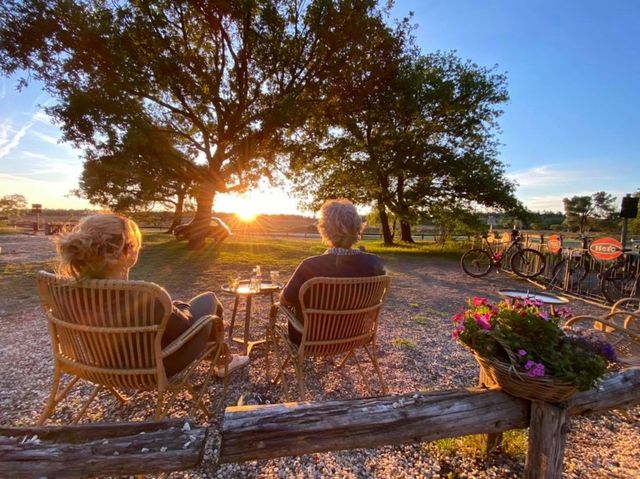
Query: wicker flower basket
point(521, 385)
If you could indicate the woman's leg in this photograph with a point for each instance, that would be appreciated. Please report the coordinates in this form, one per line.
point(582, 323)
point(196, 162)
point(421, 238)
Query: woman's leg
point(205, 303)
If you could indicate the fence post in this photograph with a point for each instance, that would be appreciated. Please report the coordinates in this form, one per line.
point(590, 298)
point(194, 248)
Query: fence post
point(547, 437)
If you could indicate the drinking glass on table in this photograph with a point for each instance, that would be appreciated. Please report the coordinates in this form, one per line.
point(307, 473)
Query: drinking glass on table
point(234, 280)
point(275, 277)
point(254, 284)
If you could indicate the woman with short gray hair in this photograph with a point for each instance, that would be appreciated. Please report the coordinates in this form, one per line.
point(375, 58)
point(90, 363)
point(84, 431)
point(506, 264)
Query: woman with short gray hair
point(340, 226)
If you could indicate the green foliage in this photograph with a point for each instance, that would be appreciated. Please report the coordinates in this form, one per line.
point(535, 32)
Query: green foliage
point(12, 205)
point(226, 81)
point(536, 343)
point(423, 137)
point(142, 169)
point(582, 211)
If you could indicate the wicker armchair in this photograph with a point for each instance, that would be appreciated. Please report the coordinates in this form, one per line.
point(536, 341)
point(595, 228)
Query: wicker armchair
point(339, 315)
point(620, 327)
point(108, 332)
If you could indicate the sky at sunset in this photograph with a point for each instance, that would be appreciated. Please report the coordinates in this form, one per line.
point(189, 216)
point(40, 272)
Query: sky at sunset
point(572, 126)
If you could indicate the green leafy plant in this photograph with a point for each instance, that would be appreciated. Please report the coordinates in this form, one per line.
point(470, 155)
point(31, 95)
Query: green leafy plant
point(520, 332)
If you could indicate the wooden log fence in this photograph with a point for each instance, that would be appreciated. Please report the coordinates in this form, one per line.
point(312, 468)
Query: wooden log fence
point(262, 432)
point(89, 450)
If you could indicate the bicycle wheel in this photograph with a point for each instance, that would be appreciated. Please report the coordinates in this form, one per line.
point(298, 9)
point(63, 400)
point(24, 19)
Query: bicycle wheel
point(476, 262)
point(578, 271)
point(557, 275)
point(618, 283)
point(527, 263)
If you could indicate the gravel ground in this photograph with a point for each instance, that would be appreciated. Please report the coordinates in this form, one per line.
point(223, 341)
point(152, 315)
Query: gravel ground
point(415, 353)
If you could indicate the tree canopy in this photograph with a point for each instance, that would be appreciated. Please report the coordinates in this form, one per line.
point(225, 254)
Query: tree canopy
point(421, 140)
point(580, 211)
point(12, 205)
point(227, 79)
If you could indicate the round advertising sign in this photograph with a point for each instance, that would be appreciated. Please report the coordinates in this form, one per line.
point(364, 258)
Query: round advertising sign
point(605, 249)
point(554, 243)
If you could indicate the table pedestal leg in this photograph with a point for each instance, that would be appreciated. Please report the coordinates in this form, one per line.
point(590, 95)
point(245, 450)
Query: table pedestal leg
point(233, 320)
point(247, 323)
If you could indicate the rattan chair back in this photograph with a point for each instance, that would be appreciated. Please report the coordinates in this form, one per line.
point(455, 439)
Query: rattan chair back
point(340, 314)
point(107, 331)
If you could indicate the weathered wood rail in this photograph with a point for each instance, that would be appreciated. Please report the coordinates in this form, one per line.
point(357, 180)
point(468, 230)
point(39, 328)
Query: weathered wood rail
point(262, 432)
point(88, 450)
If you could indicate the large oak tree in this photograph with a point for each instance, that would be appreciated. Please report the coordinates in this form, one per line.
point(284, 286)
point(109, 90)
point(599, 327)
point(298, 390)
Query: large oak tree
point(421, 140)
point(230, 79)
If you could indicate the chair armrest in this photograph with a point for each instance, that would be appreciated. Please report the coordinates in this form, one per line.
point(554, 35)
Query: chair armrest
point(290, 315)
point(607, 326)
point(629, 317)
point(188, 334)
point(620, 302)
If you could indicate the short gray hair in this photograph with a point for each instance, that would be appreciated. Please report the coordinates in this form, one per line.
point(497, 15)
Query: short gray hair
point(340, 224)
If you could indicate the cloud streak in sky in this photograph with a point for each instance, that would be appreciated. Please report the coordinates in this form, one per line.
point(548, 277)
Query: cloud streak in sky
point(10, 138)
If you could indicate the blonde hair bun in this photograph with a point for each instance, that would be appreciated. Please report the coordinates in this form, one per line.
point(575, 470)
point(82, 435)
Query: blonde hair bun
point(97, 244)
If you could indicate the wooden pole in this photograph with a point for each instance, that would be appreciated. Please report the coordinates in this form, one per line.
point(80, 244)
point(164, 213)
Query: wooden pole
point(547, 437)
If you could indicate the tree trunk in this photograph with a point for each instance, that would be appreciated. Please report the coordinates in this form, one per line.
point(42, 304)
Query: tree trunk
point(177, 214)
point(405, 232)
point(387, 235)
point(197, 230)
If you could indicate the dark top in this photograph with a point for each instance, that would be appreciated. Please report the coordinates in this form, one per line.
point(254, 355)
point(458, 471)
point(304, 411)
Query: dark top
point(358, 265)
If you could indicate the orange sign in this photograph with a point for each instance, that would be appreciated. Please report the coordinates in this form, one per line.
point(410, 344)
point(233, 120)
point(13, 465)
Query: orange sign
point(554, 243)
point(506, 237)
point(605, 249)
point(491, 237)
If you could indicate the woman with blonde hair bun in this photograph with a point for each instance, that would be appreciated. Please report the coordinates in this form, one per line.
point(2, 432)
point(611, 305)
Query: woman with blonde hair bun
point(106, 246)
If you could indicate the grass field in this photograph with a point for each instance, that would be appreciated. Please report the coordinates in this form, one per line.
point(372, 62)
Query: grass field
point(170, 263)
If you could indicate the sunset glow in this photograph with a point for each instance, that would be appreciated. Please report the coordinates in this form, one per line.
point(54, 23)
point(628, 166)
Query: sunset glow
point(245, 207)
point(246, 216)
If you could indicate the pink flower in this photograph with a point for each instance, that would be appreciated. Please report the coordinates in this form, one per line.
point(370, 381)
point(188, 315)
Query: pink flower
point(483, 320)
point(544, 315)
point(479, 301)
point(522, 352)
point(455, 334)
point(529, 365)
point(458, 317)
point(564, 312)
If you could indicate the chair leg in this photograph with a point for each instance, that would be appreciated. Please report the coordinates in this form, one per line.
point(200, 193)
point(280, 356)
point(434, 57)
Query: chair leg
point(85, 406)
point(343, 362)
point(51, 402)
point(364, 377)
point(374, 360)
point(121, 399)
point(298, 363)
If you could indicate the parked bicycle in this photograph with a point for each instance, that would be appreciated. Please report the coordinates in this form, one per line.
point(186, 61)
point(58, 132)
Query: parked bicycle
point(621, 280)
point(576, 265)
point(525, 262)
